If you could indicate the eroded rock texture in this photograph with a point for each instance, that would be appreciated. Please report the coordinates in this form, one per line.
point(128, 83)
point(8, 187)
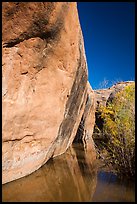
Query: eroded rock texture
point(44, 83)
point(86, 125)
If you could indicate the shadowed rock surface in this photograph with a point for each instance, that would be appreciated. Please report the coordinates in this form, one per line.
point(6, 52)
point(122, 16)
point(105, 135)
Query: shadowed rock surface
point(44, 84)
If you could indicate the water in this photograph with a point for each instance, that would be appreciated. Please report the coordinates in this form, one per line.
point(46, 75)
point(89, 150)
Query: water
point(110, 189)
point(69, 177)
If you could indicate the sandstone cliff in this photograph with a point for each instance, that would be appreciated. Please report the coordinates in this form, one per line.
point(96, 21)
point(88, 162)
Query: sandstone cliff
point(102, 96)
point(44, 85)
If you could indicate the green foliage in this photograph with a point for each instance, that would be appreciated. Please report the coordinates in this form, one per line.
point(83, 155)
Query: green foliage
point(119, 127)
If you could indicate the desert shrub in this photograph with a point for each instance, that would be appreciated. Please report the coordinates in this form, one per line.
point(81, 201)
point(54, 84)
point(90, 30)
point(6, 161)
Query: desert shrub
point(119, 128)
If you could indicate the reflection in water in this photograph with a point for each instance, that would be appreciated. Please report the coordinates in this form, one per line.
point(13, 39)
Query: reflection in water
point(69, 177)
point(111, 189)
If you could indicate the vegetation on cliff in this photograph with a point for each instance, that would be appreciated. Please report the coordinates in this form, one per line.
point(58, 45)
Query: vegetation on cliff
point(118, 130)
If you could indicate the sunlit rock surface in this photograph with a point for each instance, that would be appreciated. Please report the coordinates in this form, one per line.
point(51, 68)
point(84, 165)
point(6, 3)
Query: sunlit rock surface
point(44, 84)
point(102, 96)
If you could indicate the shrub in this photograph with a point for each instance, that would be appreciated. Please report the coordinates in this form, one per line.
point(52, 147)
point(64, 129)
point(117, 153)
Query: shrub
point(119, 127)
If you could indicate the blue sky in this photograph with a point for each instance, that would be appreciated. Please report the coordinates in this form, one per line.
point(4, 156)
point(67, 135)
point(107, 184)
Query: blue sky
point(109, 38)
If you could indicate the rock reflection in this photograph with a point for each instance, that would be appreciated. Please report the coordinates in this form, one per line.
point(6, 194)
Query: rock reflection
point(69, 177)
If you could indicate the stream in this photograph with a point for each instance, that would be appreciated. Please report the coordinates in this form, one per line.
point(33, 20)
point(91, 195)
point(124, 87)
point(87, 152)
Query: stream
point(69, 177)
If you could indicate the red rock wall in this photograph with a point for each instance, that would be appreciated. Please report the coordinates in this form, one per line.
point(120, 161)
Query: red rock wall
point(44, 83)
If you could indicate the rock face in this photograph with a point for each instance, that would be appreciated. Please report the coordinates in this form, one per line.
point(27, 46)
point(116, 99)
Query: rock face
point(86, 126)
point(44, 84)
point(103, 96)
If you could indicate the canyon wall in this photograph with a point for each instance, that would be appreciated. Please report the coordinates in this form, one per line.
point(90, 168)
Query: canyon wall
point(103, 96)
point(45, 93)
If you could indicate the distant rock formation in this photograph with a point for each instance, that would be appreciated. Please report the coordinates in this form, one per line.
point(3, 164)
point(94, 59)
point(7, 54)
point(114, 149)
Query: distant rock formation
point(45, 94)
point(104, 96)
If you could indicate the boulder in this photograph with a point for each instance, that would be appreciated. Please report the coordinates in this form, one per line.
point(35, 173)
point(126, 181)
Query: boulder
point(44, 84)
